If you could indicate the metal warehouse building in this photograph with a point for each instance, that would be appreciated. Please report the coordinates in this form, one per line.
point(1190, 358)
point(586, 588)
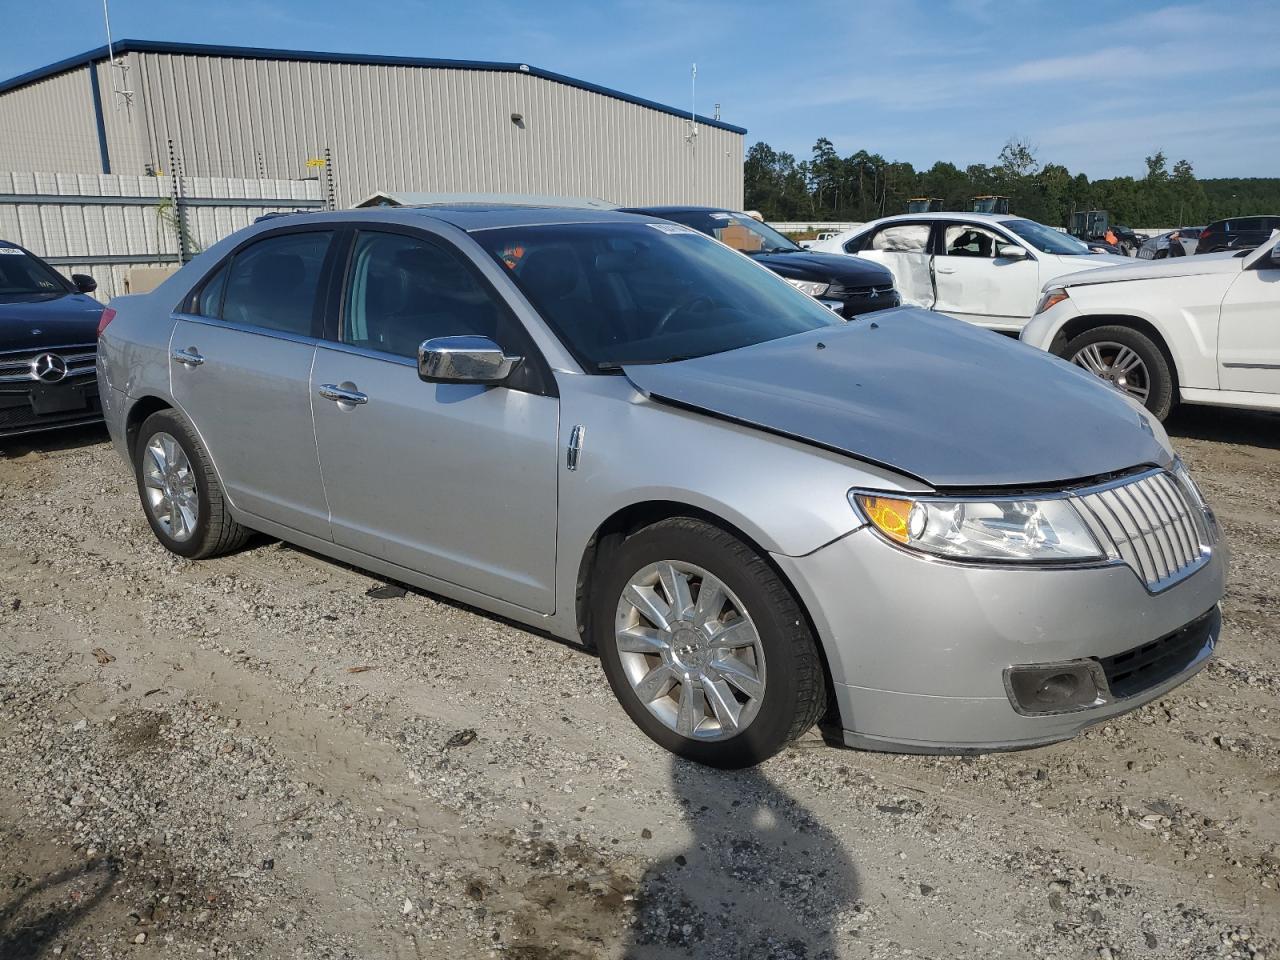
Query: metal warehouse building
point(387, 123)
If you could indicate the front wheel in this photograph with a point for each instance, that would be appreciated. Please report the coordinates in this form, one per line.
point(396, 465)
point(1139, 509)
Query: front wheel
point(704, 645)
point(1129, 360)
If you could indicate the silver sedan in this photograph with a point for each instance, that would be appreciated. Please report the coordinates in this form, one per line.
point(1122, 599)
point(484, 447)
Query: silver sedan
point(623, 433)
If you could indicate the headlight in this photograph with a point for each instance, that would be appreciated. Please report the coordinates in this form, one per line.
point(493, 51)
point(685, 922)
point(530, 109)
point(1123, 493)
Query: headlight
point(1052, 296)
point(1012, 529)
point(811, 287)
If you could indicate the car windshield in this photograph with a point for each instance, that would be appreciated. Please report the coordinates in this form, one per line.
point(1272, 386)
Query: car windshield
point(1046, 239)
point(618, 293)
point(736, 230)
point(23, 276)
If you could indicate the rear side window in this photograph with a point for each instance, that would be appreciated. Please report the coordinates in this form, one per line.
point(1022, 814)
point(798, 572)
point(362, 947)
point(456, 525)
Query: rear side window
point(274, 283)
point(208, 301)
point(903, 238)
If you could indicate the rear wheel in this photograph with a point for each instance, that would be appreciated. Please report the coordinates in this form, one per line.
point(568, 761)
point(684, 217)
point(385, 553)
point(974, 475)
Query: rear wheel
point(1128, 359)
point(180, 492)
point(704, 646)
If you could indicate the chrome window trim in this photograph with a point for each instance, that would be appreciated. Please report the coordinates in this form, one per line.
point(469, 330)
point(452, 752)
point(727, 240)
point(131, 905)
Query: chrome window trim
point(367, 353)
point(248, 328)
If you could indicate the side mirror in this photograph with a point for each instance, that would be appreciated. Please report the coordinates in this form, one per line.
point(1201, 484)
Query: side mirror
point(1010, 251)
point(1274, 256)
point(464, 360)
point(84, 283)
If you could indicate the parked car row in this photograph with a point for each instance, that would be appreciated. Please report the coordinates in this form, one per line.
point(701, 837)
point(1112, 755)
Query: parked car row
point(614, 428)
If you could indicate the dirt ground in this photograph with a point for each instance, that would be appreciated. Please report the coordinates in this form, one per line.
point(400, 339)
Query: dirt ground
point(251, 757)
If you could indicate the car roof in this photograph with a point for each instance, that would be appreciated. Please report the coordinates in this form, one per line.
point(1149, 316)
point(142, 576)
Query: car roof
point(464, 216)
point(941, 215)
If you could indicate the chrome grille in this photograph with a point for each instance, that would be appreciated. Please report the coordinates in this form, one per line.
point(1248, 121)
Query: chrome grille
point(879, 290)
point(17, 366)
point(1149, 523)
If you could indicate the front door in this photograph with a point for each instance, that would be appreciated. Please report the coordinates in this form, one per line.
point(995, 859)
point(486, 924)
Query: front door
point(904, 249)
point(1249, 331)
point(456, 481)
point(977, 285)
point(240, 365)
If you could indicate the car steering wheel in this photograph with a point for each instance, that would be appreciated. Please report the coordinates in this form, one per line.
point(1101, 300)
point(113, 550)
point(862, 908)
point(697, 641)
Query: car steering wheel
point(686, 304)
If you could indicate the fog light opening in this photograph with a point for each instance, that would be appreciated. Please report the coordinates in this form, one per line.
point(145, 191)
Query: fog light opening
point(1051, 688)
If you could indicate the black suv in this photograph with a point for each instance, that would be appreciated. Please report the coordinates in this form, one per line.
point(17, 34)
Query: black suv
point(1236, 233)
point(848, 285)
point(48, 345)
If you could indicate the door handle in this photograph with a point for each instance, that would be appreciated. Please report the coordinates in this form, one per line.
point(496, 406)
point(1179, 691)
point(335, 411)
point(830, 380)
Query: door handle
point(189, 357)
point(946, 269)
point(331, 391)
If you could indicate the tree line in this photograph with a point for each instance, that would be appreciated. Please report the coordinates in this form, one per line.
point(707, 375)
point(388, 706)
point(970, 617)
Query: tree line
point(863, 186)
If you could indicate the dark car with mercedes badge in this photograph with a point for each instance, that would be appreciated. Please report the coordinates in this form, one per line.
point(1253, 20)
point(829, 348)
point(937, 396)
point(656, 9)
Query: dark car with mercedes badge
point(48, 345)
point(847, 285)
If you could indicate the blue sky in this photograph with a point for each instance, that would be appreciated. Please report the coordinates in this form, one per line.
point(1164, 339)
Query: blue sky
point(1095, 86)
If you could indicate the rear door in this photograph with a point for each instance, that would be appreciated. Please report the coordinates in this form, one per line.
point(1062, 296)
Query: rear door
point(454, 480)
point(1249, 329)
point(240, 366)
point(905, 249)
point(977, 285)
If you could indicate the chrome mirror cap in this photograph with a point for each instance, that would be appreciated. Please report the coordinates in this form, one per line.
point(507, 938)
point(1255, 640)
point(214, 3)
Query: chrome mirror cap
point(464, 360)
point(1011, 251)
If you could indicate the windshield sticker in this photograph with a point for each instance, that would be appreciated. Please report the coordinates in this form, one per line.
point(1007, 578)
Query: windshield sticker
point(673, 228)
point(722, 216)
point(11, 251)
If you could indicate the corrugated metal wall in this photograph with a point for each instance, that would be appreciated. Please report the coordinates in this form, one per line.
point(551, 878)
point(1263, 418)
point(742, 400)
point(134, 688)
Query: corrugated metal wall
point(430, 129)
point(49, 125)
point(67, 217)
point(415, 128)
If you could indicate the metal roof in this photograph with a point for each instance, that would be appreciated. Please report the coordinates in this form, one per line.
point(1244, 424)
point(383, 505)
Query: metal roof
point(267, 53)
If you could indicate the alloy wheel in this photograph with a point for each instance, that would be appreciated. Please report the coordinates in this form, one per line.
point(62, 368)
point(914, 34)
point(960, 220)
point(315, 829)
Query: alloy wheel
point(690, 650)
point(170, 486)
point(1117, 364)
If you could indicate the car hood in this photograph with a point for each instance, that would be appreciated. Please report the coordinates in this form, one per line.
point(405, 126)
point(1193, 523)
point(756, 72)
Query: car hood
point(1198, 265)
point(828, 267)
point(58, 322)
point(945, 402)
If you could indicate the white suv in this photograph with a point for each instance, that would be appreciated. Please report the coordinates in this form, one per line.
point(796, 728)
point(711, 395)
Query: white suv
point(1202, 329)
point(985, 268)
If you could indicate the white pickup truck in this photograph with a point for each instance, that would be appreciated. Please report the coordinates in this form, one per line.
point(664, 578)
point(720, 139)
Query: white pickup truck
point(1202, 329)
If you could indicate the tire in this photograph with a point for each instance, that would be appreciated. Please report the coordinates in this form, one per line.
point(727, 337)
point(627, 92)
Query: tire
point(1159, 398)
point(783, 655)
point(213, 531)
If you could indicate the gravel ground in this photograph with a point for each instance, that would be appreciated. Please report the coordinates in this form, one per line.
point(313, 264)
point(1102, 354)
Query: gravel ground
point(251, 757)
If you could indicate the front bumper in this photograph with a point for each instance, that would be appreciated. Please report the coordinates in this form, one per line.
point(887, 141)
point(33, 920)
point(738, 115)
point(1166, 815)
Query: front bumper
point(919, 647)
point(30, 407)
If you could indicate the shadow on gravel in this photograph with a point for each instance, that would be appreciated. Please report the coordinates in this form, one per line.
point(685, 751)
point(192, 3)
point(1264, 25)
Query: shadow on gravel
point(51, 441)
point(761, 877)
point(1224, 425)
point(44, 911)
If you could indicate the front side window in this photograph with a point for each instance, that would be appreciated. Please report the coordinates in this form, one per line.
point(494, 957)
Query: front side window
point(618, 293)
point(963, 240)
point(903, 238)
point(1046, 239)
point(274, 282)
point(402, 290)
